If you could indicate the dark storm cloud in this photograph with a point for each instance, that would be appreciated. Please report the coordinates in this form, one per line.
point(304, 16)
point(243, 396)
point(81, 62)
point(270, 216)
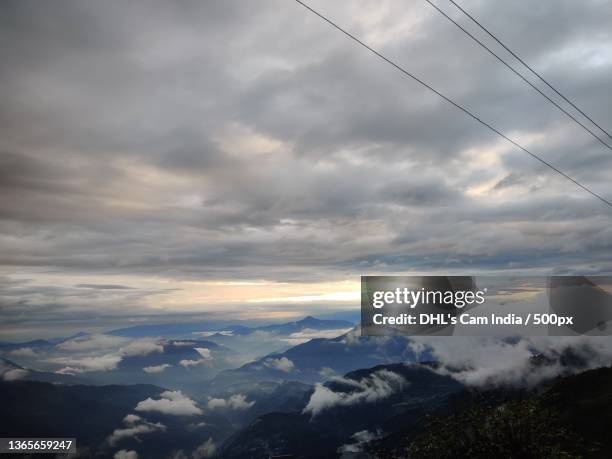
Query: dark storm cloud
point(237, 140)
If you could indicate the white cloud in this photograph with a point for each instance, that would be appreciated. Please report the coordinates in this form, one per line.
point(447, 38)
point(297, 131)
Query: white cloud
point(141, 347)
point(307, 334)
point(206, 449)
point(235, 402)
point(207, 334)
point(14, 374)
point(183, 343)
point(361, 437)
point(10, 372)
point(134, 426)
point(83, 358)
point(156, 368)
point(170, 402)
point(205, 353)
point(92, 343)
point(380, 384)
point(131, 418)
point(126, 454)
point(192, 363)
point(352, 337)
point(23, 352)
point(262, 334)
point(75, 365)
point(481, 360)
point(327, 372)
point(282, 364)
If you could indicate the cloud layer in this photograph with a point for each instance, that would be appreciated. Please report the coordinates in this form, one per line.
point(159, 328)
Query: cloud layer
point(381, 384)
point(134, 426)
point(495, 361)
point(162, 142)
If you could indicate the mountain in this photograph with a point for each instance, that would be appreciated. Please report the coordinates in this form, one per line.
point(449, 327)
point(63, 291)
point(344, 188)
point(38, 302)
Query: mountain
point(568, 417)
point(307, 323)
point(215, 327)
point(250, 342)
point(175, 364)
point(181, 330)
point(38, 343)
point(344, 410)
point(320, 358)
point(94, 359)
point(103, 419)
point(183, 364)
point(10, 371)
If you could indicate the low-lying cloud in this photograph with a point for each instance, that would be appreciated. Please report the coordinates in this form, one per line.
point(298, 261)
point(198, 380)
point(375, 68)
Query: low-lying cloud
point(170, 402)
point(495, 361)
point(14, 374)
point(281, 364)
point(187, 363)
point(204, 352)
point(206, 449)
point(141, 347)
point(134, 426)
point(101, 352)
point(76, 365)
point(359, 438)
point(126, 454)
point(26, 352)
point(235, 402)
point(307, 334)
point(377, 386)
point(157, 368)
point(94, 342)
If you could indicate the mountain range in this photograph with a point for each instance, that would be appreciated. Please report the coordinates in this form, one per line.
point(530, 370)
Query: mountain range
point(213, 328)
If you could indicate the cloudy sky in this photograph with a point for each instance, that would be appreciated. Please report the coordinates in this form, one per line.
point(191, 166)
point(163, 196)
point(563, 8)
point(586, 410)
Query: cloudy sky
point(211, 156)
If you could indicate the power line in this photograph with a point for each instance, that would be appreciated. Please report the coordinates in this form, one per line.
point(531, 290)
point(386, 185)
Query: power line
point(452, 102)
point(530, 68)
point(519, 75)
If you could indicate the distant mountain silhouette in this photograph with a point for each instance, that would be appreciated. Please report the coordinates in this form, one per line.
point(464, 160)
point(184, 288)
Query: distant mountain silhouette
point(319, 358)
point(307, 323)
point(38, 343)
point(11, 371)
point(182, 329)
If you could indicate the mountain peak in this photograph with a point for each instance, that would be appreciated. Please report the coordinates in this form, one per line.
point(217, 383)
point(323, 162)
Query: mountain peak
point(309, 319)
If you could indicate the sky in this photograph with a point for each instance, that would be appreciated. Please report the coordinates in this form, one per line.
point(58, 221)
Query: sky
point(245, 160)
